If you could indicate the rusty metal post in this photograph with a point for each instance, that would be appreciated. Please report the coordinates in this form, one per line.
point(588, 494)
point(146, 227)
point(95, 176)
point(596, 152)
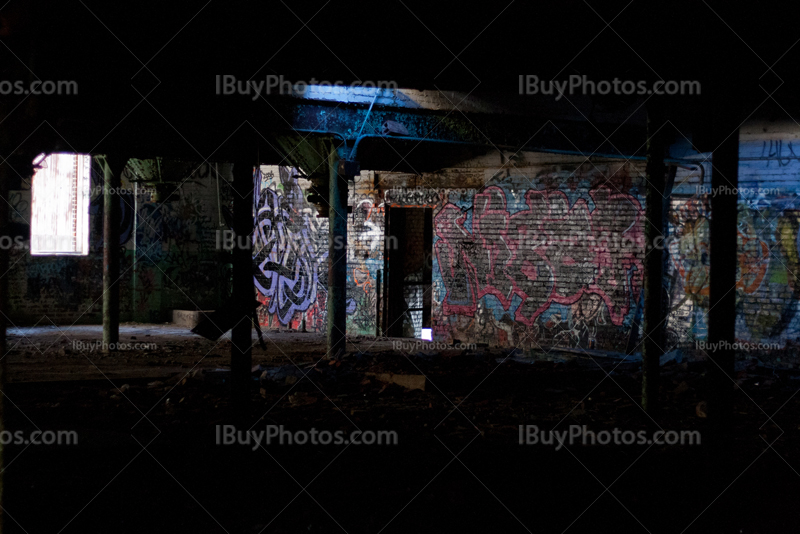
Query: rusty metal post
point(243, 287)
point(111, 228)
point(337, 256)
point(653, 345)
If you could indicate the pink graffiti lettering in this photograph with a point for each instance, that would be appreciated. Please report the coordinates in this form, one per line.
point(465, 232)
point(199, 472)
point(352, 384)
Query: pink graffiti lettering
point(549, 252)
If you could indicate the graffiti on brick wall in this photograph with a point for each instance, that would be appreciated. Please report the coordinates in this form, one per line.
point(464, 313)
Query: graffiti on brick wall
point(689, 251)
point(361, 300)
point(291, 250)
point(178, 264)
point(64, 283)
point(547, 253)
point(367, 228)
point(364, 258)
point(414, 196)
point(176, 259)
point(287, 251)
point(285, 257)
point(767, 286)
point(782, 152)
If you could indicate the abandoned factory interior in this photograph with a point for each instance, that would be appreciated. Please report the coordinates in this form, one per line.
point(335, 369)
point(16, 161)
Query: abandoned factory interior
point(391, 267)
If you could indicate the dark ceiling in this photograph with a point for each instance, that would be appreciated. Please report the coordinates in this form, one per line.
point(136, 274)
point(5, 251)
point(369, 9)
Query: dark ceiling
point(146, 70)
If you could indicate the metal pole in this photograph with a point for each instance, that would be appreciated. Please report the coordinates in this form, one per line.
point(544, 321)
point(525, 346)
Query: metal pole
point(337, 256)
point(111, 224)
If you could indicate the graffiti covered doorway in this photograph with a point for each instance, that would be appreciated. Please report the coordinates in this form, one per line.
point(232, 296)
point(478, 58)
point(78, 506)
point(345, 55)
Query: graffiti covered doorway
point(408, 271)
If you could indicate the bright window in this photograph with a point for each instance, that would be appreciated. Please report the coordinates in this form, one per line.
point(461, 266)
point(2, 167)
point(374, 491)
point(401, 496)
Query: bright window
point(60, 194)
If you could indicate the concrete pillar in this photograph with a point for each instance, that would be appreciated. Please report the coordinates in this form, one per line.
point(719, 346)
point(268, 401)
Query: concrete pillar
point(112, 171)
point(243, 287)
point(337, 256)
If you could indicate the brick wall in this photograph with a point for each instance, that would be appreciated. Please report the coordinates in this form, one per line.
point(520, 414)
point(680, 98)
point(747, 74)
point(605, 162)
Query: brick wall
point(537, 252)
point(291, 251)
point(365, 240)
point(61, 290)
point(178, 263)
point(543, 251)
point(169, 258)
point(532, 251)
point(767, 289)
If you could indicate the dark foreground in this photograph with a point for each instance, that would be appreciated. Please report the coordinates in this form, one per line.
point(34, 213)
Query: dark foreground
point(147, 461)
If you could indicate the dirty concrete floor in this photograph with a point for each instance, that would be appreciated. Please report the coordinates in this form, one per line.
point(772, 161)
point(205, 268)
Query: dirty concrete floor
point(47, 353)
point(147, 458)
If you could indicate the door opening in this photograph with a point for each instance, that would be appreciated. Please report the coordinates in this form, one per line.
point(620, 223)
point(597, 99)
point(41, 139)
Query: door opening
point(408, 272)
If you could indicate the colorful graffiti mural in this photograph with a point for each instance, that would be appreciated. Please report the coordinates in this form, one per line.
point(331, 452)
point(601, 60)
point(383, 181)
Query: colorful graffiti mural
point(549, 252)
point(364, 259)
point(689, 250)
point(767, 269)
point(285, 257)
point(289, 251)
point(177, 264)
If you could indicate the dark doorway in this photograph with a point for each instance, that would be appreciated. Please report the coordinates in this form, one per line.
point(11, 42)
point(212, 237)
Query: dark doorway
point(408, 262)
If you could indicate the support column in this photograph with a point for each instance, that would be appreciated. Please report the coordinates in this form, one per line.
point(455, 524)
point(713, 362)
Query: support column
point(653, 343)
point(723, 260)
point(337, 257)
point(243, 287)
point(111, 227)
